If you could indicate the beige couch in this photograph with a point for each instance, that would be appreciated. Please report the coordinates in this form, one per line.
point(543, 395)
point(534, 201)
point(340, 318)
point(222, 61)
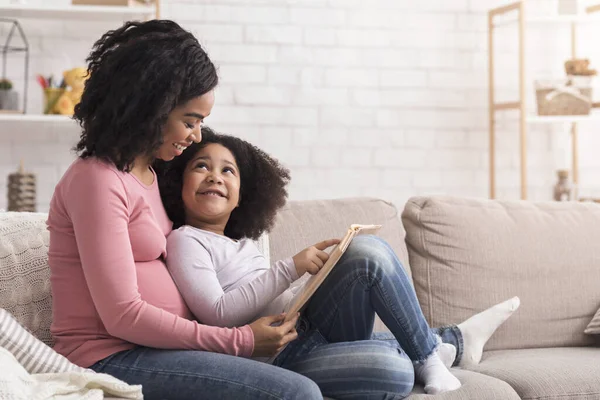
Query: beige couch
point(465, 255)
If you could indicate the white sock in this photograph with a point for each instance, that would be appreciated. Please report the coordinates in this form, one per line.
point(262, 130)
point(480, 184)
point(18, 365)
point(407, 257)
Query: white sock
point(478, 329)
point(447, 353)
point(435, 376)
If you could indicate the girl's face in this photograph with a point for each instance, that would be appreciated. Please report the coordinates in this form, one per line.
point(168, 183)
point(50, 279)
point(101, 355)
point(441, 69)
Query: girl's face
point(211, 186)
point(183, 126)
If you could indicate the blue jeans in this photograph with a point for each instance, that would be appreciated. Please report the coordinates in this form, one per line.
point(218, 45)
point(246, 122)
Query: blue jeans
point(336, 346)
point(196, 375)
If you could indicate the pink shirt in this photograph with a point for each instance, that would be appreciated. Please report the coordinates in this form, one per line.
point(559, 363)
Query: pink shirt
point(111, 289)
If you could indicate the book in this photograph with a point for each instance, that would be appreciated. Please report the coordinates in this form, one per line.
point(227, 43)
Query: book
point(297, 303)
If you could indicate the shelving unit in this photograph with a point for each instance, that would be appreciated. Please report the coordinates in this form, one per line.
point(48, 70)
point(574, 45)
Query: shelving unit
point(550, 119)
point(76, 12)
point(580, 19)
point(14, 117)
point(79, 12)
point(497, 17)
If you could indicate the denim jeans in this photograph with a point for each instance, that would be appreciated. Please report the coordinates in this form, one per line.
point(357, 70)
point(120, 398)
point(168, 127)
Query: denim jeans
point(196, 375)
point(336, 346)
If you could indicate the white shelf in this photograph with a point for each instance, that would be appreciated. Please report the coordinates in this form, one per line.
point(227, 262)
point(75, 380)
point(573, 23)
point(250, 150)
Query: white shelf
point(536, 119)
point(75, 12)
point(547, 119)
point(549, 20)
point(564, 19)
point(8, 117)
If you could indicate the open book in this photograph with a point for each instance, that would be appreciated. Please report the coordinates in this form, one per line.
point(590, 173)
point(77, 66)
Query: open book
point(297, 303)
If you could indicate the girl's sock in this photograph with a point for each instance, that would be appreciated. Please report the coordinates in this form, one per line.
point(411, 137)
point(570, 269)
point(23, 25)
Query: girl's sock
point(480, 327)
point(447, 354)
point(435, 376)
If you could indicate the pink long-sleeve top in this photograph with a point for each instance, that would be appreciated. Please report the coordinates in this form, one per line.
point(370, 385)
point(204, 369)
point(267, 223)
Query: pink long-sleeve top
point(110, 286)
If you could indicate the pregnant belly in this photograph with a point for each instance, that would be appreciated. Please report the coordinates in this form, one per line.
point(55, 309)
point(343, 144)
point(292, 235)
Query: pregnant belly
point(158, 289)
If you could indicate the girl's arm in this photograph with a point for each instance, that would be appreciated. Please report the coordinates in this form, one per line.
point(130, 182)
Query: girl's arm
point(98, 208)
point(191, 266)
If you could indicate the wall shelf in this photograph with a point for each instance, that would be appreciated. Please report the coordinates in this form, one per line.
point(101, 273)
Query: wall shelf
point(77, 12)
point(13, 12)
point(550, 119)
point(564, 19)
point(498, 17)
point(14, 117)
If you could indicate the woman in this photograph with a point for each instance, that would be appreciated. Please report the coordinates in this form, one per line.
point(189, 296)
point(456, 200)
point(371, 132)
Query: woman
point(116, 309)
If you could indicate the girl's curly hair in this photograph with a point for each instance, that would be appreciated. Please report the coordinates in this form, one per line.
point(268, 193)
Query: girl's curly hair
point(263, 182)
point(137, 75)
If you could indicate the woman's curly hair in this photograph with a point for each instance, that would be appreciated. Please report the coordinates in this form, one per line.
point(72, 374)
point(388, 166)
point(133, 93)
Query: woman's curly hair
point(137, 75)
point(263, 182)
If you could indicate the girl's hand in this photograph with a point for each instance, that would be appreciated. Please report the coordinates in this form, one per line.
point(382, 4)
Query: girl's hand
point(269, 339)
point(313, 258)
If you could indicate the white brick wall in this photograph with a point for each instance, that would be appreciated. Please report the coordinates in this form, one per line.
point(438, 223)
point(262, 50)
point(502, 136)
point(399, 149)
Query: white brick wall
point(381, 98)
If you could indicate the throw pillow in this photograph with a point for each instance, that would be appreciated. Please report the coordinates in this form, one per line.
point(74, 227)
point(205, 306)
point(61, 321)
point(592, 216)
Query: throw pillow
point(24, 271)
point(593, 327)
point(31, 353)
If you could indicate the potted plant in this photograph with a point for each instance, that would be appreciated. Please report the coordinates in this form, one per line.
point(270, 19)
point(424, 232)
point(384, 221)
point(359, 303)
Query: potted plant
point(9, 99)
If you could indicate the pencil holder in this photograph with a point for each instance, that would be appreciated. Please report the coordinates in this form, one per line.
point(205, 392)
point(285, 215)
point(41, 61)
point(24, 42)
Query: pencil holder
point(51, 96)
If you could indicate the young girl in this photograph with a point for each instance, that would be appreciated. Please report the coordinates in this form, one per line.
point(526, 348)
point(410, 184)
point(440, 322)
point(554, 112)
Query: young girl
point(223, 192)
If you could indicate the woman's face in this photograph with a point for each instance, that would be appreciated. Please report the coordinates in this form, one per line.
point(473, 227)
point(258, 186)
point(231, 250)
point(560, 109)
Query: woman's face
point(183, 126)
point(211, 186)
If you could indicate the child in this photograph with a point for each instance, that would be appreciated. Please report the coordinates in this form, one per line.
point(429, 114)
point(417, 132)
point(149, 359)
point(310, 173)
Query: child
point(224, 192)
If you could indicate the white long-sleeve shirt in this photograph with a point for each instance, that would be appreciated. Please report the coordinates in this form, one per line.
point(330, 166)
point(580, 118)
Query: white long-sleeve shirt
point(227, 282)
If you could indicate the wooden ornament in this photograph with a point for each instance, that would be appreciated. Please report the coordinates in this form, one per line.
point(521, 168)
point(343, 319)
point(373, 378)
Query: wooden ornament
point(21, 190)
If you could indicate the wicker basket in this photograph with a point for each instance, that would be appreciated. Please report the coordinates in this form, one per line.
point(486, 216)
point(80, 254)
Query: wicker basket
point(571, 96)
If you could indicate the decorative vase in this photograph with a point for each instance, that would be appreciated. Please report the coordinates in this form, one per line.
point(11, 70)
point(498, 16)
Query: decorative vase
point(563, 190)
point(21, 191)
point(9, 100)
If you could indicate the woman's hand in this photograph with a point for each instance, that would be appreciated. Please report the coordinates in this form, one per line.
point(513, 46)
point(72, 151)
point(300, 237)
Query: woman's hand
point(269, 339)
point(313, 258)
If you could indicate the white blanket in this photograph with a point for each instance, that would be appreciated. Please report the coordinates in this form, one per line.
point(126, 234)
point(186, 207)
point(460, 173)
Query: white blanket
point(16, 384)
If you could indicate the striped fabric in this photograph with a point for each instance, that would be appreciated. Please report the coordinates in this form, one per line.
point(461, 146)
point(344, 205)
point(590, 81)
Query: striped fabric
point(35, 356)
point(593, 327)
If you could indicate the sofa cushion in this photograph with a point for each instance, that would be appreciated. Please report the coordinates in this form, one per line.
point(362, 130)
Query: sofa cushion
point(262, 244)
point(593, 327)
point(24, 272)
point(468, 254)
point(474, 386)
point(547, 374)
point(303, 223)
